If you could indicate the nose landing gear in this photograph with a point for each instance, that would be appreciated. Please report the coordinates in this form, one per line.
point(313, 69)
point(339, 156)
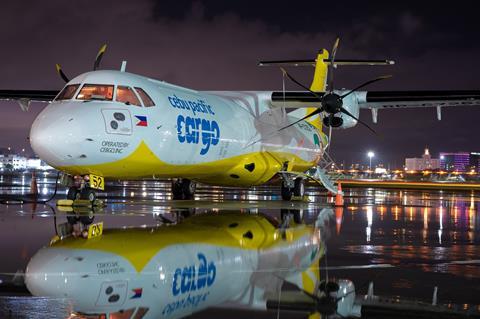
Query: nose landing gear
point(80, 189)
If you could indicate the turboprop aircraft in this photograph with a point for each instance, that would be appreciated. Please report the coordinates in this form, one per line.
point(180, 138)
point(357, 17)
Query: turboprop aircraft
point(173, 271)
point(111, 124)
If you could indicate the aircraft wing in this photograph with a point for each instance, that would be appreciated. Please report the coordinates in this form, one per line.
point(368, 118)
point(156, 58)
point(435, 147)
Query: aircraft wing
point(24, 97)
point(32, 95)
point(376, 100)
point(403, 99)
point(384, 99)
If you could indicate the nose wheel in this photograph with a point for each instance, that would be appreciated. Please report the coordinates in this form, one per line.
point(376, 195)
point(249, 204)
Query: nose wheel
point(73, 193)
point(88, 194)
point(80, 188)
point(183, 188)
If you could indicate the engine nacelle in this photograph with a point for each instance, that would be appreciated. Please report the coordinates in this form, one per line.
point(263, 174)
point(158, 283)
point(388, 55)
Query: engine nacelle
point(346, 306)
point(350, 103)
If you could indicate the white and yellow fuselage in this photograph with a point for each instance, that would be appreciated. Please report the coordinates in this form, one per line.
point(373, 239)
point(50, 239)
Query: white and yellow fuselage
point(225, 138)
point(173, 271)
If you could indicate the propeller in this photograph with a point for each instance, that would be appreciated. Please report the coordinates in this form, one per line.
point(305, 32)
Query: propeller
point(60, 72)
point(332, 64)
point(331, 102)
point(96, 64)
point(99, 57)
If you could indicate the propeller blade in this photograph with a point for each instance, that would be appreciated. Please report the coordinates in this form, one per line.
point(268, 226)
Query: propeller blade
point(99, 57)
point(317, 111)
point(332, 64)
point(60, 72)
point(344, 111)
point(383, 77)
point(300, 84)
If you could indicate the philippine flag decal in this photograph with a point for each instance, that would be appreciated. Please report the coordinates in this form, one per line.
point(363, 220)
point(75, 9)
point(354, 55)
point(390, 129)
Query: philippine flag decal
point(137, 293)
point(142, 120)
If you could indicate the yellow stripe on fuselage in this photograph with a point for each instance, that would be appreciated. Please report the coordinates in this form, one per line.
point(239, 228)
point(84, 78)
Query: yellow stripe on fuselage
point(143, 163)
point(139, 245)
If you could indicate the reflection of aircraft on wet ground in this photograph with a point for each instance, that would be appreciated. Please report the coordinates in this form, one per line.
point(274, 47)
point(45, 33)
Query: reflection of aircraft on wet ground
point(173, 271)
point(209, 260)
point(119, 125)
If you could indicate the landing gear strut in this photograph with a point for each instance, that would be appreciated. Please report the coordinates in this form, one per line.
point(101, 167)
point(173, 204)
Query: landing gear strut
point(292, 187)
point(183, 188)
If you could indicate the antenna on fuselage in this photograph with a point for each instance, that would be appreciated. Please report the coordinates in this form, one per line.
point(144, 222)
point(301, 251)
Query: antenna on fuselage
point(124, 66)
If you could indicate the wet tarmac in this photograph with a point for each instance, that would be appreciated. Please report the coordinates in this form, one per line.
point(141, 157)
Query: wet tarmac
point(427, 238)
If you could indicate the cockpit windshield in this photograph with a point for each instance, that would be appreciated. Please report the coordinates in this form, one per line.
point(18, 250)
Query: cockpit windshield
point(126, 95)
point(96, 92)
point(68, 92)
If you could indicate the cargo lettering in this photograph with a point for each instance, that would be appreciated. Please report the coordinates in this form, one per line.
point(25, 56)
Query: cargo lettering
point(195, 130)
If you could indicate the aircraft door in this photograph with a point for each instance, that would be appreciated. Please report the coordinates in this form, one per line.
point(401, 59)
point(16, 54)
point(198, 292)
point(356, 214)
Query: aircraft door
point(117, 121)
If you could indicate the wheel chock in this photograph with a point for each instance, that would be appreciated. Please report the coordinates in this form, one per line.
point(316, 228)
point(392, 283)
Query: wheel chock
point(65, 209)
point(64, 202)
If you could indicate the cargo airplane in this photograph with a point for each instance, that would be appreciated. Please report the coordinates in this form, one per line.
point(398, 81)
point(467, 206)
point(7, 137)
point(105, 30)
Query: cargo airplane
point(111, 124)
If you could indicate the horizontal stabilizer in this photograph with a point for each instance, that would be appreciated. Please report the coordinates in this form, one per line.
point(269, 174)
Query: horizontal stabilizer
point(327, 61)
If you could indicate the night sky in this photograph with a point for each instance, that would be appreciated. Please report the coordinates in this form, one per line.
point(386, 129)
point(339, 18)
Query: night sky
point(216, 44)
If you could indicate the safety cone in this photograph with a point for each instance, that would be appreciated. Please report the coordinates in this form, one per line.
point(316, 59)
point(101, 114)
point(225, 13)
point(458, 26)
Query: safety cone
point(33, 185)
point(339, 195)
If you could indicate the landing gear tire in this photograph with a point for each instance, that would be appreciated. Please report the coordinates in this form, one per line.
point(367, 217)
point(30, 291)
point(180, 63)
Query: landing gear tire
point(287, 192)
point(73, 193)
point(189, 188)
point(177, 191)
point(183, 189)
point(88, 194)
point(299, 188)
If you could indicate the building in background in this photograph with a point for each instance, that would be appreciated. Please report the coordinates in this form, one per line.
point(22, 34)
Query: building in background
point(18, 162)
point(460, 161)
point(13, 161)
point(426, 162)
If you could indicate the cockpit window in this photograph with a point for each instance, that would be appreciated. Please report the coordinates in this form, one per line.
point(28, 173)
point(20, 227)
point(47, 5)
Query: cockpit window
point(96, 92)
point(67, 92)
point(147, 101)
point(126, 95)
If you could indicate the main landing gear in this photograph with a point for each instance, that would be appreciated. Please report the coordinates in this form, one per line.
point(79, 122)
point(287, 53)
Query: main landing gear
point(183, 188)
point(292, 187)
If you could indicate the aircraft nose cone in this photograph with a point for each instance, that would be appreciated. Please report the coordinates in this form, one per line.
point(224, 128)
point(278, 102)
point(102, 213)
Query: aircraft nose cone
point(55, 136)
point(44, 277)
